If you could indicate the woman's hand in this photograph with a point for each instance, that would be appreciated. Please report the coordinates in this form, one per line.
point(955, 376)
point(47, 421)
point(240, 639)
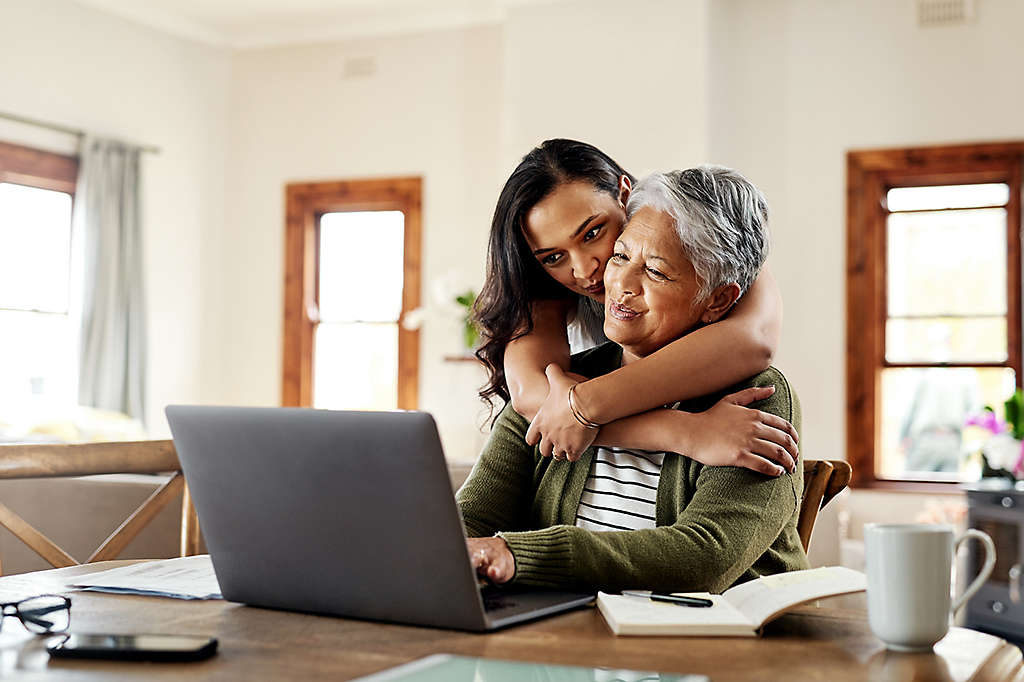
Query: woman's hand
point(554, 426)
point(492, 559)
point(730, 434)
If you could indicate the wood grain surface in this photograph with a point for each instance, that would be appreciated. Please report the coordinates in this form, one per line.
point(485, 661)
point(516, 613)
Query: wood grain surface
point(810, 644)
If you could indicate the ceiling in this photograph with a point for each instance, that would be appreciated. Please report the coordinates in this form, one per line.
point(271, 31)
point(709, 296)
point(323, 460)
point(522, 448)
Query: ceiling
point(261, 23)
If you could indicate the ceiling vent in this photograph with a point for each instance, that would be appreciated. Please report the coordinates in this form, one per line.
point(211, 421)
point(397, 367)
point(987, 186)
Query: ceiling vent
point(944, 12)
point(359, 67)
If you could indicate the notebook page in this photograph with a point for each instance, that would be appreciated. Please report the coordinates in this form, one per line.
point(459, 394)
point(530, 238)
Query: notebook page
point(762, 599)
point(637, 616)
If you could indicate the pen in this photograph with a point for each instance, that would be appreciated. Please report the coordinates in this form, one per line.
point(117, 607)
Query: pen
point(698, 602)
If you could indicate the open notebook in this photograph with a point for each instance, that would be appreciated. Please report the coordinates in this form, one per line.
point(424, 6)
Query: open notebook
point(740, 611)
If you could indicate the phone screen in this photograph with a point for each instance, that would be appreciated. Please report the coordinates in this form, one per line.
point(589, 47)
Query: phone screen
point(139, 647)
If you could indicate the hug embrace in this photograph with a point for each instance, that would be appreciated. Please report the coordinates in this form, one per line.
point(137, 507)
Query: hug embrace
point(645, 440)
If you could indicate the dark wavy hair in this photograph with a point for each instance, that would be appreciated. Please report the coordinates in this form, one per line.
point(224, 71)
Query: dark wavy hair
point(514, 277)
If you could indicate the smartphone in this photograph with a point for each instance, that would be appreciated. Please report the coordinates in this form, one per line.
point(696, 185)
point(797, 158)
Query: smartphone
point(134, 647)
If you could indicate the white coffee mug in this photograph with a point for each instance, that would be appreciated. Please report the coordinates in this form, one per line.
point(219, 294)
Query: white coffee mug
point(909, 574)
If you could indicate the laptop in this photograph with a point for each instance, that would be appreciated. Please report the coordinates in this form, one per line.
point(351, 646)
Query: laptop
point(341, 513)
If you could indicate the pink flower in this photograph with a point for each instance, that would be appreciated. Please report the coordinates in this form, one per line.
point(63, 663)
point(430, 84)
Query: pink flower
point(988, 421)
point(1018, 468)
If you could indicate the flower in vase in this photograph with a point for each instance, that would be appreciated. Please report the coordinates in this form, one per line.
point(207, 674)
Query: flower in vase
point(988, 420)
point(450, 299)
point(1002, 451)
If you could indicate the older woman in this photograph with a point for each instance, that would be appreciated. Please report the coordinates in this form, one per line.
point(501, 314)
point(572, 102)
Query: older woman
point(617, 518)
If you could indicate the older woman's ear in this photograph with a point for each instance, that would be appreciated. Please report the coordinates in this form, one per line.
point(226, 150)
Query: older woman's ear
point(719, 302)
point(625, 187)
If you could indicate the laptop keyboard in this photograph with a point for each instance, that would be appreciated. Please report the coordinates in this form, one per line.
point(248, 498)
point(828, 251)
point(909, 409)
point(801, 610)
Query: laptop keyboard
point(495, 598)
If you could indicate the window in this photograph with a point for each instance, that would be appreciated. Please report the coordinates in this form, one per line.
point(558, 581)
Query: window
point(352, 271)
point(933, 305)
point(38, 331)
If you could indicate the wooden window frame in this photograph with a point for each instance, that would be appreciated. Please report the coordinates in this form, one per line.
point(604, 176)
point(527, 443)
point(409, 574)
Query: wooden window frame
point(38, 168)
point(305, 204)
point(869, 174)
point(41, 169)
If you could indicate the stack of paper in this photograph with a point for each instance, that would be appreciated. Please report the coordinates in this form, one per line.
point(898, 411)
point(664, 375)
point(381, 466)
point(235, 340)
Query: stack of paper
point(183, 578)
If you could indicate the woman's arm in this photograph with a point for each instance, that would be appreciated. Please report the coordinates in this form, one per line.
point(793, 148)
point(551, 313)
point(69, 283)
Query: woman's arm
point(728, 434)
point(734, 517)
point(499, 490)
point(527, 356)
point(702, 362)
point(706, 360)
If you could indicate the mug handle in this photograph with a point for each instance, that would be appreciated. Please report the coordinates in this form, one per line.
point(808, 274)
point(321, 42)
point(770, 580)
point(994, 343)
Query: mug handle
point(986, 569)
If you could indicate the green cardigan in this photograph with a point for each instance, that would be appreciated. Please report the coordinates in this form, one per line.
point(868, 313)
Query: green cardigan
point(716, 526)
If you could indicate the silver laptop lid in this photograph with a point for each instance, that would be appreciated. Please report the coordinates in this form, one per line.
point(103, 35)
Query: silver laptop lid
point(347, 513)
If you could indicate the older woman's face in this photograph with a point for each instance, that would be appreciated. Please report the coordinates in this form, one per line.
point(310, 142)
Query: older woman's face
point(650, 286)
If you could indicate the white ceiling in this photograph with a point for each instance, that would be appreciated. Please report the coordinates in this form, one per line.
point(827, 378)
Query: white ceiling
point(261, 23)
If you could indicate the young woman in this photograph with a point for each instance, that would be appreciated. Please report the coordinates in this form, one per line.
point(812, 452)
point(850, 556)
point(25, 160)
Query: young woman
point(555, 223)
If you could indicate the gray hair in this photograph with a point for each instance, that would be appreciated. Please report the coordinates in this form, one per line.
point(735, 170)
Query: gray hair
point(721, 219)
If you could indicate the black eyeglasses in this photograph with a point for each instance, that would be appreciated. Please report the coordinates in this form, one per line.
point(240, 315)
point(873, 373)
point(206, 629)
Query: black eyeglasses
point(45, 613)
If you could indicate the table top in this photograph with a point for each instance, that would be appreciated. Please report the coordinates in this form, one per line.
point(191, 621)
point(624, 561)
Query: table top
point(809, 643)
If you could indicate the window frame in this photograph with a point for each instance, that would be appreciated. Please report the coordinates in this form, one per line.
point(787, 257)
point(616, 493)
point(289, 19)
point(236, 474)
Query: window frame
point(305, 203)
point(38, 168)
point(869, 175)
point(42, 169)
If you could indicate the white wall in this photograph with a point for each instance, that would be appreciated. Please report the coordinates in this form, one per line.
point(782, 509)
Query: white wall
point(630, 78)
point(459, 108)
point(431, 109)
point(81, 68)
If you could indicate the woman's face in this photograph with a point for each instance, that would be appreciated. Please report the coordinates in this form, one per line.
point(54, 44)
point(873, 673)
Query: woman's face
point(571, 234)
point(651, 286)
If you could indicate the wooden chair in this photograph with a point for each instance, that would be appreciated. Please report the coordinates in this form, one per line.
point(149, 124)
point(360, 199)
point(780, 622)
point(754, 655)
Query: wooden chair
point(87, 459)
point(823, 480)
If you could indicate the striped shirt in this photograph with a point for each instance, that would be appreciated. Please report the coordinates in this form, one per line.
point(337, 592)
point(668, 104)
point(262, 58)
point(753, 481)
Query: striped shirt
point(621, 490)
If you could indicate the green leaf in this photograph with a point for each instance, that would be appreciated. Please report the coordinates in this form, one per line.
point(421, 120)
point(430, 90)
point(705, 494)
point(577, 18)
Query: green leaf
point(470, 334)
point(1013, 410)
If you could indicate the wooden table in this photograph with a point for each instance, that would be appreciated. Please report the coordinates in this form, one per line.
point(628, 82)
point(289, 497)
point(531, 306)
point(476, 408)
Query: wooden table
point(810, 644)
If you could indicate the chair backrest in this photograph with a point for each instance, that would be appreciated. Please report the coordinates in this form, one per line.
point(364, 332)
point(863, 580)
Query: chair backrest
point(823, 480)
point(87, 459)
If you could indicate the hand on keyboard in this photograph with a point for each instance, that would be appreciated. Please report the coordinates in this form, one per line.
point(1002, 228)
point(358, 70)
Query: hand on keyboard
point(492, 559)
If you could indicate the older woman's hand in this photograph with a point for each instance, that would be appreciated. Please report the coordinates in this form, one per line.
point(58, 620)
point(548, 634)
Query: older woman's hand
point(555, 428)
point(492, 559)
point(730, 434)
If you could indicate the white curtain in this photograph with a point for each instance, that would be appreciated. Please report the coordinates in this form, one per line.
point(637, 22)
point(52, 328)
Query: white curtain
point(112, 355)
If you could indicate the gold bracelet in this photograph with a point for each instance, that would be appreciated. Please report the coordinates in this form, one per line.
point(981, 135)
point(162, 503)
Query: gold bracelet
point(576, 412)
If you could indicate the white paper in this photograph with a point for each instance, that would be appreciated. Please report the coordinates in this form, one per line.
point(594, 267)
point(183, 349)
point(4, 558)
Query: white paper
point(635, 616)
point(760, 599)
point(182, 578)
point(24, 585)
point(739, 611)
